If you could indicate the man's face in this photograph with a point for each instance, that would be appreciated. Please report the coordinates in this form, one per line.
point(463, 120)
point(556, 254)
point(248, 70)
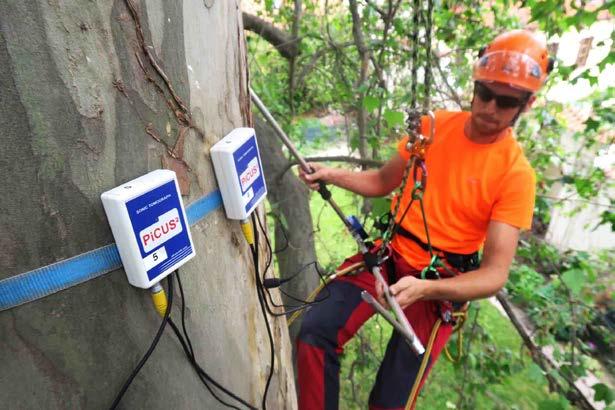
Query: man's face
point(494, 106)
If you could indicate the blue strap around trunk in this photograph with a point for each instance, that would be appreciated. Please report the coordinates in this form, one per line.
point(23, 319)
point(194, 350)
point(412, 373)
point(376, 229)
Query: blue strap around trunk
point(38, 283)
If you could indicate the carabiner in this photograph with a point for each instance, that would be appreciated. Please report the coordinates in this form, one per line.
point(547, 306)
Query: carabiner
point(432, 127)
point(419, 163)
point(431, 271)
point(417, 142)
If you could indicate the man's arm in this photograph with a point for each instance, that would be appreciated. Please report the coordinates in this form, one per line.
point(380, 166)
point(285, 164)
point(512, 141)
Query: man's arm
point(499, 250)
point(370, 183)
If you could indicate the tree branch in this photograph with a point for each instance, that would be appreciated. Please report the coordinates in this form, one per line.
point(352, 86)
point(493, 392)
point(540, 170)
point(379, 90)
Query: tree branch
point(387, 18)
point(281, 40)
point(307, 68)
point(452, 94)
point(571, 391)
point(364, 56)
point(376, 8)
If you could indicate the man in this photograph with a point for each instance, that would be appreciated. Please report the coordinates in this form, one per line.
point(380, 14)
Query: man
point(480, 193)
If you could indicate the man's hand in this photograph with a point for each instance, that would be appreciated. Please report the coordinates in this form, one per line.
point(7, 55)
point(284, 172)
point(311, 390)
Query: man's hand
point(321, 173)
point(370, 183)
point(406, 291)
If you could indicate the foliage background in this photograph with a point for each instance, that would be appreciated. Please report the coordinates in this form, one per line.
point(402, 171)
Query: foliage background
point(367, 79)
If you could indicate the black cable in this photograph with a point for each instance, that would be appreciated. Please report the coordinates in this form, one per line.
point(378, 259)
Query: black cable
point(153, 345)
point(283, 230)
point(313, 302)
point(203, 376)
point(288, 308)
point(267, 265)
point(189, 351)
point(181, 292)
point(270, 252)
point(261, 299)
point(396, 224)
point(276, 282)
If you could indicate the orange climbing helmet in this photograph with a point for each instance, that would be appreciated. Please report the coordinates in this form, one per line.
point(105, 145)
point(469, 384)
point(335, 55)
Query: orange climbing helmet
point(518, 58)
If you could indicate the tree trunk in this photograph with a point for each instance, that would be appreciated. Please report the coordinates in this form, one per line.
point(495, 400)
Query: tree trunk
point(294, 232)
point(87, 103)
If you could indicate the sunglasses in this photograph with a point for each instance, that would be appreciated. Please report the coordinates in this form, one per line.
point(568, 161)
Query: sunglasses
point(501, 101)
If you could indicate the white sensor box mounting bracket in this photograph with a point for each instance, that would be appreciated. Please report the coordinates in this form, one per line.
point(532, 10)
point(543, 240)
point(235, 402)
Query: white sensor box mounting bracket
point(239, 171)
point(150, 228)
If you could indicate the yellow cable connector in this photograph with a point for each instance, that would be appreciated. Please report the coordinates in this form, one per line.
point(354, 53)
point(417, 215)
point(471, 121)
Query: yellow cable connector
point(159, 297)
point(246, 228)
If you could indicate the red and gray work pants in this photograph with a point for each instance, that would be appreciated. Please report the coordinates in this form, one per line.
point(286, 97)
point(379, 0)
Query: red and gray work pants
point(328, 325)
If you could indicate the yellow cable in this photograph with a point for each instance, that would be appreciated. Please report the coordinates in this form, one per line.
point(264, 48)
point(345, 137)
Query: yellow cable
point(248, 232)
point(419, 377)
point(310, 299)
point(159, 297)
point(448, 354)
point(312, 295)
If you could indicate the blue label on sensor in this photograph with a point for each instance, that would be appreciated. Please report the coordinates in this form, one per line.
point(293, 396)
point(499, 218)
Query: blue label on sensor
point(249, 172)
point(160, 228)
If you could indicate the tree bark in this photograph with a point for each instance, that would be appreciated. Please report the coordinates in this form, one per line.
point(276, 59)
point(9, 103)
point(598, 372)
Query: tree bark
point(84, 107)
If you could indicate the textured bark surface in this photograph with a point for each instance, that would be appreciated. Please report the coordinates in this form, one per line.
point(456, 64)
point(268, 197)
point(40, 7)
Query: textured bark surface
point(289, 201)
point(79, 115)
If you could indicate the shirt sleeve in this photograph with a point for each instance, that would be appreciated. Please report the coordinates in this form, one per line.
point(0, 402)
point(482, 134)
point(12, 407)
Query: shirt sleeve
point(514, 204)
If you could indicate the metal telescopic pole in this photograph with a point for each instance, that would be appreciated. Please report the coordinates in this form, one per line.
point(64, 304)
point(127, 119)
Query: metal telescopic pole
point(323, 190)
point(401, 323)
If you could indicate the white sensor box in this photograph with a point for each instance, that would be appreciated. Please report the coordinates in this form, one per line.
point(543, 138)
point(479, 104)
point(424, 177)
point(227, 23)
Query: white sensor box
point(150, 227)
point(239, 171)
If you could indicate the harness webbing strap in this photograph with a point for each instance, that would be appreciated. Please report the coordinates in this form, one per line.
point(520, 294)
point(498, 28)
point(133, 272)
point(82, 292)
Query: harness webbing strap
point(409, 235)
point(461, 261)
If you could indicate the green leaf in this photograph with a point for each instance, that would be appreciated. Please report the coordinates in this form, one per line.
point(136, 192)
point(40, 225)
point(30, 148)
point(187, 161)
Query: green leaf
point(592, 124)
point(380, 206)
point(370, 103)
point(399, 26)
point(394, 118)
point(552, 405)
point(603, 393)
point(534, 373)
point(269, 6)
point(574, 279)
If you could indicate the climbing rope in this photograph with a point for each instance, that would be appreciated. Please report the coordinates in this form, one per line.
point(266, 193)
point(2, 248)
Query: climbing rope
point(423, 367)
point(428, 32)
point(415, 52)
point(460, 319)
point(417, 143)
